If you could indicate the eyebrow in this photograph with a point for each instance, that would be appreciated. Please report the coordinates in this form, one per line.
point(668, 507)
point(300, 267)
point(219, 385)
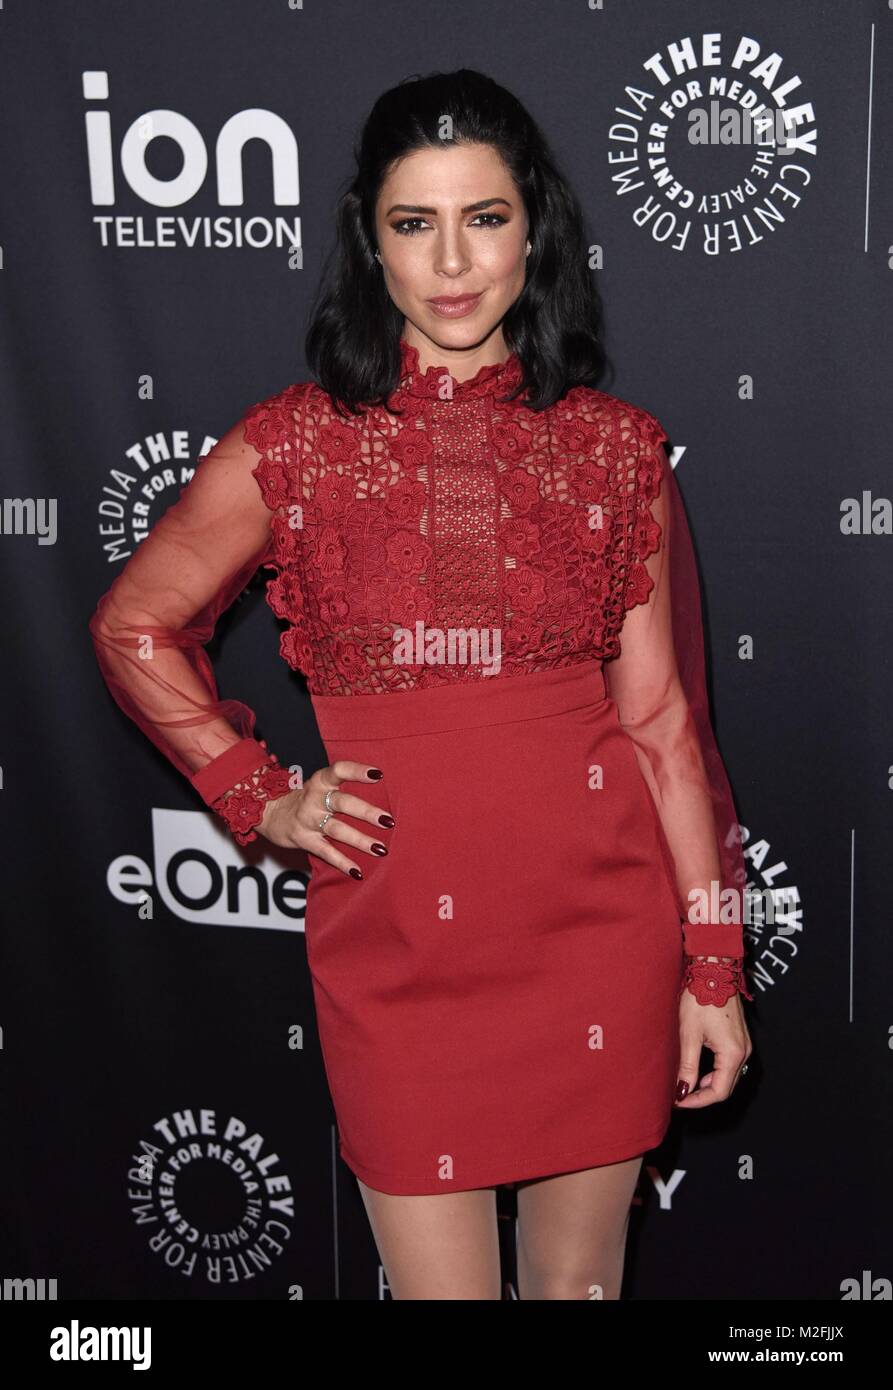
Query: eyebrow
point(472, 207)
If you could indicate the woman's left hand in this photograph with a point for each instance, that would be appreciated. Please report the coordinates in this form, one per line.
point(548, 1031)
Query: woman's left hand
point(720, 1028)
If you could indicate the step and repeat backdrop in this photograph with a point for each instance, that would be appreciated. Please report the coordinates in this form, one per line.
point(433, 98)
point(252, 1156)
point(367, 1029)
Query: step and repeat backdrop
point(169, 178)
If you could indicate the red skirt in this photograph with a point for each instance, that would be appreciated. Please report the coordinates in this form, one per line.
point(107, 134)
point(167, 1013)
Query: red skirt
point(497, 998)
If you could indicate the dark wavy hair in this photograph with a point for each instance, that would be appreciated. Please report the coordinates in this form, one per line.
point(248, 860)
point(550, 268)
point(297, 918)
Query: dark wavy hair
point(353, 341)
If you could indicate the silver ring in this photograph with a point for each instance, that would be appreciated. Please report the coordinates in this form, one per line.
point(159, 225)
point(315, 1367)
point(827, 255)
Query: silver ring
point(330, 811)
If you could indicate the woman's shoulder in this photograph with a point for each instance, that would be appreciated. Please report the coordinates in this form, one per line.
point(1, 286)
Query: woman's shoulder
point(272, 420)
point(295, 396)
point(613, 414)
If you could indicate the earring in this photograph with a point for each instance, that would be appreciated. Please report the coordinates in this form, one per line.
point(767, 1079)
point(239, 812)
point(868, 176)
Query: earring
point(528, 248)
point(378, 255)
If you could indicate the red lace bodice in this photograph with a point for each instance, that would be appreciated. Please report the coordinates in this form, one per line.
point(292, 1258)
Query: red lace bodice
point(471, 532)
point(451, 534)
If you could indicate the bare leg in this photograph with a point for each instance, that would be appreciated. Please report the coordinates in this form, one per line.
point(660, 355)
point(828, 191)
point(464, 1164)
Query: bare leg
point(442, 1246)
point(572, 1232)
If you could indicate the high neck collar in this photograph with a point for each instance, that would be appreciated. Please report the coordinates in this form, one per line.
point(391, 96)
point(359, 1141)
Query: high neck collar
point(496, 379)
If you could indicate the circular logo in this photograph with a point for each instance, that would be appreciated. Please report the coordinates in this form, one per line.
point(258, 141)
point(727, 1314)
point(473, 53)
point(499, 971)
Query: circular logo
point(714, 148)
point(210, 1197)
point(136, 495)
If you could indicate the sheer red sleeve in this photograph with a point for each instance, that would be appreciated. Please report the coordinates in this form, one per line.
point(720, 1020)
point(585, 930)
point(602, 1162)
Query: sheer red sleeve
point(658, 684)
point(150, 628)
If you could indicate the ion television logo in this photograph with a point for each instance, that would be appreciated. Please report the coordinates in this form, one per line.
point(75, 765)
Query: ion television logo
point(186, 162)
point(211, 1197)
point(202, 875)
point(715, 146)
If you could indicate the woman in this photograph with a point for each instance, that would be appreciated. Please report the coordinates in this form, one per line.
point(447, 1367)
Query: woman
point(516, 814)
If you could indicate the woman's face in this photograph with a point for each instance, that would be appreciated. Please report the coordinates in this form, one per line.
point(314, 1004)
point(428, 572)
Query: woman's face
point(450, 223)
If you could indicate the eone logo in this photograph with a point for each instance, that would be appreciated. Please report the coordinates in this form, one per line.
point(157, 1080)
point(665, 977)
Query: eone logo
point(254, 123)
point(201, 875)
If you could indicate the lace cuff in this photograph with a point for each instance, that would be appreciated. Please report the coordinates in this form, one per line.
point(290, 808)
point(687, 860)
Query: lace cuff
point(242, 805)
point(714, 982)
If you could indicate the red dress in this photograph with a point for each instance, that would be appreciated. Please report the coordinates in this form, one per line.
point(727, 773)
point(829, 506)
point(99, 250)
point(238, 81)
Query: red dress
point(497, 998)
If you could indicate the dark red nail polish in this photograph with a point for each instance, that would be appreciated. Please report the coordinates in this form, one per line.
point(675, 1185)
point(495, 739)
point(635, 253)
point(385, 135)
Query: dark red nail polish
point(386, 820)
point(375, 772)
point(355, 872)
point(378, 848)
point(682, 1089)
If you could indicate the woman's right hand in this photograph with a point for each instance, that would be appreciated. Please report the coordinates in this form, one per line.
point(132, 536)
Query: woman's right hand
point(293, 820)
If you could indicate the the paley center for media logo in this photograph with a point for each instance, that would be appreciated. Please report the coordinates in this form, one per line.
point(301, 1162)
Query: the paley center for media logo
point(712, 145)
point(211, 1197)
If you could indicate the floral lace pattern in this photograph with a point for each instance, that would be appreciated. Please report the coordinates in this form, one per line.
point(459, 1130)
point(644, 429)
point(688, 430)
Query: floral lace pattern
point(243, 806)
point(456, 509)
point(714, 982)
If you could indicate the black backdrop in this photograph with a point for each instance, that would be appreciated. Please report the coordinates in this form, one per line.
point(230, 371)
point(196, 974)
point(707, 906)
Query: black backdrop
point(127, 345)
